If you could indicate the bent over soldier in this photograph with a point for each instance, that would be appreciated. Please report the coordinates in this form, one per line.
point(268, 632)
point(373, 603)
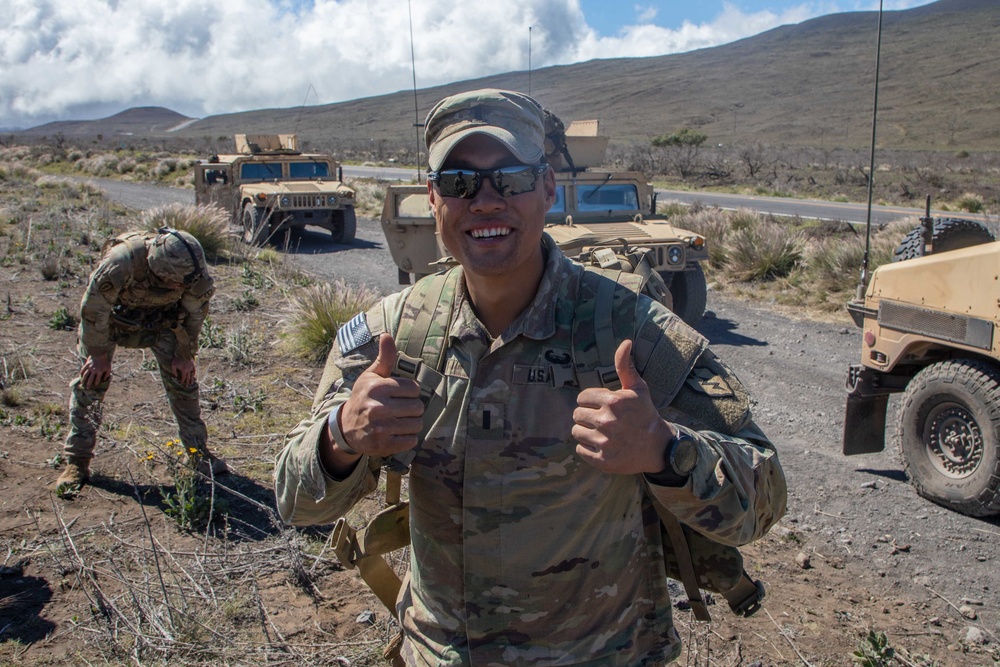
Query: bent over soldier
point(150, 290)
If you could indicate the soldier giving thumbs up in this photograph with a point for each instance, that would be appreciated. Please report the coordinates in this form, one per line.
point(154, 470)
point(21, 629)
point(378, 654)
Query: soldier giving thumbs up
point(620, 431)
point(382, 417)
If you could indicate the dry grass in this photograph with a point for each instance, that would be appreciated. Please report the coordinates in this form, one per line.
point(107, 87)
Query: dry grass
point(143, 592)
point(318, 312)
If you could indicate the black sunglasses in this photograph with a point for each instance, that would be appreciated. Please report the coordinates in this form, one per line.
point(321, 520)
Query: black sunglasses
point(508, 181)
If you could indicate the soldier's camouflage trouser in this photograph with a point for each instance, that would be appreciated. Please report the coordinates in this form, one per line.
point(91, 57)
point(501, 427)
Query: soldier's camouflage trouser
point(85, 404)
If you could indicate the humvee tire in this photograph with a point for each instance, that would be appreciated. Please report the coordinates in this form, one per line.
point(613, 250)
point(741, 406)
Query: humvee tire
point(949, 234)
point(689, 292)
point(345, 226)
point(949, 435)
point(255, 230)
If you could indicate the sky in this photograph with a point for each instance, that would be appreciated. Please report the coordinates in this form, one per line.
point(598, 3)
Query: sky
point(87, 59)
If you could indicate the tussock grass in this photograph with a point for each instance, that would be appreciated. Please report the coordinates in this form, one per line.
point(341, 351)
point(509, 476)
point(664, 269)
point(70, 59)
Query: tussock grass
point(369, 195)
point(971, 202)
point(209, 224)
point(763, 251)
point(319, 311)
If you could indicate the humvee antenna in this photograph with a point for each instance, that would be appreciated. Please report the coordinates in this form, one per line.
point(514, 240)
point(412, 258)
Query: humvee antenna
point(416, 112)
point(529, 61)
point(295, 130)
point(863, 285)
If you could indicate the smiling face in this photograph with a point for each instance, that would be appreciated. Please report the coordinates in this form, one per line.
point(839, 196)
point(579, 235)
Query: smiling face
point(491, 236)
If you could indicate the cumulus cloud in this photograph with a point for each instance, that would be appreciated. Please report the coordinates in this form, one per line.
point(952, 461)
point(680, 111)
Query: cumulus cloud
point(90, 58)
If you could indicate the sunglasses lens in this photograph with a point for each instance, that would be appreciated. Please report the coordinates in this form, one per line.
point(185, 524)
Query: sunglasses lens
point(465, 183)
point(511, 181)
point(459, 183)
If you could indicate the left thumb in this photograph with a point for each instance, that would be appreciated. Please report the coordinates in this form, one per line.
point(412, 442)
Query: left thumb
point(625, 366)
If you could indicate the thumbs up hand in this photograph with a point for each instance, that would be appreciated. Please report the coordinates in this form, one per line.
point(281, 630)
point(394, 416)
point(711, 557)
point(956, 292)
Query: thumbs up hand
point(620, 431)
point(384, 414)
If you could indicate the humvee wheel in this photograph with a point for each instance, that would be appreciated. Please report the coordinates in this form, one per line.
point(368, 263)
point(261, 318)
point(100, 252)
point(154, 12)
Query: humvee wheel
point(345, 226)
point(949, 234)
point(949, 435)
point(689, 292)
point(254, 229)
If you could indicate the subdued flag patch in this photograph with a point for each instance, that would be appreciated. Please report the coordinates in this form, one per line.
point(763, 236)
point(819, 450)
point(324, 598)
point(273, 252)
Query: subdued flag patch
point(354, 334)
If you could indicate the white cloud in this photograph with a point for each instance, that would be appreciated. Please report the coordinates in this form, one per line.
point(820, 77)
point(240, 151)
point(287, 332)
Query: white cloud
point(90, 58)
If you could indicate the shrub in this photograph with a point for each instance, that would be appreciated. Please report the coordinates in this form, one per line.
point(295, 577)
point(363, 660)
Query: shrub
point(711, 223)
point(15, 367)
point(319, 311)
point(207, 223)
point(766, 252)
point(369, 196)
point(49, 268)
point(970, 202)
point(63, 320)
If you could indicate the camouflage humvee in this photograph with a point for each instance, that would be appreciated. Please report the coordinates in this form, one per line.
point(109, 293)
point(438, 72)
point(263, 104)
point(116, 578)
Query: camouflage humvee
point(593, 208)
point(929, 322)
point(269, 186)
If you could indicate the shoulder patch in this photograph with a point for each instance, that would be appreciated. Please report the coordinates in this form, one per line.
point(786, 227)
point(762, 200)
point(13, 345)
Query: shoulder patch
point(705, 381)
point(353, 335)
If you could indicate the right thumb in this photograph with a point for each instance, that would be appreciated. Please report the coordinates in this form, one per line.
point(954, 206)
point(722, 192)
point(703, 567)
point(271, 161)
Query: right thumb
point(386, 359)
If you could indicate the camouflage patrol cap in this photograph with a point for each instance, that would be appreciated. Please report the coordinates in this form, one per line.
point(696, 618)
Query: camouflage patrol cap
point(176, 256)
point(513, 119)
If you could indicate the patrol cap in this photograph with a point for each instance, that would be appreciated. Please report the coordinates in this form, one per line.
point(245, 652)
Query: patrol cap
point(515, 120)
point(176, 256)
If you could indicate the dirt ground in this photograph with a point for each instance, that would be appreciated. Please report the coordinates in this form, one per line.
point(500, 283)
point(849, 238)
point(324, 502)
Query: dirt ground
point(108, 577)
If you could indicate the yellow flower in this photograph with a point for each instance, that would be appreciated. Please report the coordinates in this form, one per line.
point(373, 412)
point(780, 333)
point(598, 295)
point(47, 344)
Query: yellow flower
point(149, 456)
point(192, 450)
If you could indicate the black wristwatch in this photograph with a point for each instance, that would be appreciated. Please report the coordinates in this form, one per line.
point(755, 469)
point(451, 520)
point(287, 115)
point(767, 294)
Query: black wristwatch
point(682, 453)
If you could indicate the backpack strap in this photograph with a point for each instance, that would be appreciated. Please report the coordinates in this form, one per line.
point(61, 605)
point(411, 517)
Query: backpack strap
point(604, 315)
point(421, 337)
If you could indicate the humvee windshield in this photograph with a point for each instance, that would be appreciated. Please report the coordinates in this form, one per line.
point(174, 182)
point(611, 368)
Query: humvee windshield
point(616, 197)
point(560, 204)
point(308, 170)
point(266, 171)
point(622, 197)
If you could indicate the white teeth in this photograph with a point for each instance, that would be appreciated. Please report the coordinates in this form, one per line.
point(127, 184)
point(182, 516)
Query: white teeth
point(491, 232)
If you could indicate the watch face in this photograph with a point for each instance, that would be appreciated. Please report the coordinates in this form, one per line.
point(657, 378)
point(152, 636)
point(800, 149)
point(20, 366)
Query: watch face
point(684, 454)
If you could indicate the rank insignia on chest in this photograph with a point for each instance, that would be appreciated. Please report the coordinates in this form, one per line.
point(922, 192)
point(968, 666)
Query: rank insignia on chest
point(353, 335)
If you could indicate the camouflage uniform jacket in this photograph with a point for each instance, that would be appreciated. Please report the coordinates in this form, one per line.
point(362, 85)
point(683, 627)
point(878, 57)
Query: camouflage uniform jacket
point(522, 554)
point(123, 278)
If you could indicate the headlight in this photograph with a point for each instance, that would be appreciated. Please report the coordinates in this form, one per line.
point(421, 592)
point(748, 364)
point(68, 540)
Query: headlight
point(331, 200)
point(285, 200)
point(675, 255)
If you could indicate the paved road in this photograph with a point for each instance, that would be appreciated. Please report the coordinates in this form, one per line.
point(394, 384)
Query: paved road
point(781, 206)
point(805, 208)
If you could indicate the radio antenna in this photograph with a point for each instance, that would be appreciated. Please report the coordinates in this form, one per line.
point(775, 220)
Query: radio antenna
point(871, 162)
point(416, 111)
point(295, 129)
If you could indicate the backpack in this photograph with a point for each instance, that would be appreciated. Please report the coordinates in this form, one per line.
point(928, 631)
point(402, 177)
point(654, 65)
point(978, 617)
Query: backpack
point(611, 283)
point(136, 242)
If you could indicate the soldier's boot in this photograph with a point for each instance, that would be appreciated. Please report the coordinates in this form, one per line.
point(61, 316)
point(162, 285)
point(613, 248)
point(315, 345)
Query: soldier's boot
point(72, 479)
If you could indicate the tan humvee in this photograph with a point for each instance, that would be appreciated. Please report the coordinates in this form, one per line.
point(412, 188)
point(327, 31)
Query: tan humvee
point(930, 332)
point(269, 186)
point(593, 208)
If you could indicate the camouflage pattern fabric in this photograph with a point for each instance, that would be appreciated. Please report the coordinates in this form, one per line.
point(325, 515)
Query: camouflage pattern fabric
point(522, 554)
point(122, 279)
